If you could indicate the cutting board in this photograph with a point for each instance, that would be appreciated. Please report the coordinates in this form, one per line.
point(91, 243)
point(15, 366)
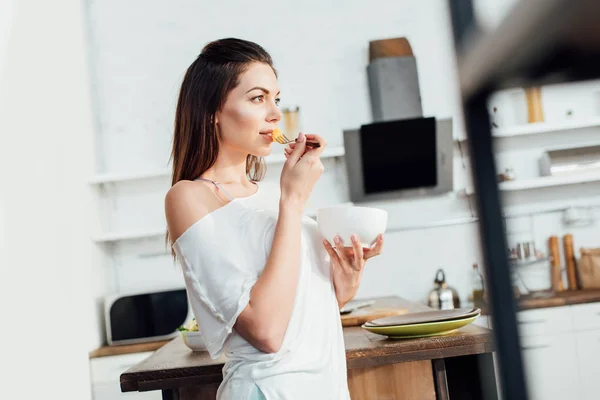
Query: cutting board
point(366, 314)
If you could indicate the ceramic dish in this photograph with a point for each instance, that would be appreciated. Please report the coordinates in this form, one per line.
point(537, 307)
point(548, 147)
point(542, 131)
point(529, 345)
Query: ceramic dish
point(425, 316)
point(420, 330)
point(346, 220)
point(193, 340)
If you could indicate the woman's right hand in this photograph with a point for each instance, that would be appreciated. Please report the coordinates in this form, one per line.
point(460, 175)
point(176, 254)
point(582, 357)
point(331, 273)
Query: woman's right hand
point(301, 171)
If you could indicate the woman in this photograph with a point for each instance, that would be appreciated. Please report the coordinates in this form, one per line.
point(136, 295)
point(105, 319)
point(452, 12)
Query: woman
point(262, 284)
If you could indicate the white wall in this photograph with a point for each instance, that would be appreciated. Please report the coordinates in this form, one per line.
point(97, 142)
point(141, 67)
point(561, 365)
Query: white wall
point(46, 156)
point(320, 51)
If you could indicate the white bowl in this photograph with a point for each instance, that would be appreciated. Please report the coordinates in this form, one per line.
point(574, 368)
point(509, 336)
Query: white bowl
point(193, 340)
point(345, 220)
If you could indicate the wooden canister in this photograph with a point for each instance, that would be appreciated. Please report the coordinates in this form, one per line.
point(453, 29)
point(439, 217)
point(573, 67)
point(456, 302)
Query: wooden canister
point(535, 112)
point(555, 271)
point(569, 251)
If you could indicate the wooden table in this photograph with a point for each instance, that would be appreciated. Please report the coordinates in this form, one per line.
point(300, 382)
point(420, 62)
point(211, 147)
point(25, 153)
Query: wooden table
point(442, 367)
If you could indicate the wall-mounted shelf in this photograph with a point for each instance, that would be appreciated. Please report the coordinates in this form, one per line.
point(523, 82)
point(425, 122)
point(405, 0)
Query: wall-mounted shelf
point(545, 181)
point(152, 233)
point(542, 127)
point(330, 152)
point(545, 127)
point(128, 176)
point(116, 237)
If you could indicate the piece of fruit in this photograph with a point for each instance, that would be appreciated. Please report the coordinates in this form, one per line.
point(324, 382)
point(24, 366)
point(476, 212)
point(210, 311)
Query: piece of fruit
point(277, 135)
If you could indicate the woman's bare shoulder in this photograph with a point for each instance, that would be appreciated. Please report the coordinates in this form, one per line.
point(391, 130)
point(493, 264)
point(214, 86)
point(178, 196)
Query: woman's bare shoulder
point(185, 203)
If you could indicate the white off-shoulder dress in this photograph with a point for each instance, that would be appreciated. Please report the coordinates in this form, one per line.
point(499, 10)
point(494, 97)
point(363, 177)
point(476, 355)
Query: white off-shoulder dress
point(222, 255)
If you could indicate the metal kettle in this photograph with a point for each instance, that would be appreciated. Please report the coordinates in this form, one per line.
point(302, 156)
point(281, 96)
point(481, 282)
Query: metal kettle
point(442, 296)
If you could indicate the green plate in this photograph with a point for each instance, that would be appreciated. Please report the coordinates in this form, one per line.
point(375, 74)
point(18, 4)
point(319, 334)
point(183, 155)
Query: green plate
point(420, 330)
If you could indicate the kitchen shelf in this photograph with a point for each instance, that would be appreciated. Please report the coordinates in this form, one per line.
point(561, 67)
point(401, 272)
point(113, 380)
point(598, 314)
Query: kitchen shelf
point(130, 176)
point(116, 237)
point(545, 181)
point(330, 152)
point(542, 127)
point(527, 263)
point(545, 127)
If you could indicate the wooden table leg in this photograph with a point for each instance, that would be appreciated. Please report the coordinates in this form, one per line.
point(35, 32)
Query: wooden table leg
point(170, 394)
point(197, 392)
point(440, 380)
point(471, 377)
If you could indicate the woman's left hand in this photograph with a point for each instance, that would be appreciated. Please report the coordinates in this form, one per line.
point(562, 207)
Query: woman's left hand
point(348, 264)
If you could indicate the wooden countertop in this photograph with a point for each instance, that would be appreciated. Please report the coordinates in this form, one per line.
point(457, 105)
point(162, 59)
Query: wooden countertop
point(127, 349)
point(552, 299)
point(527, 302)
point(547, 299)
point(175, 365)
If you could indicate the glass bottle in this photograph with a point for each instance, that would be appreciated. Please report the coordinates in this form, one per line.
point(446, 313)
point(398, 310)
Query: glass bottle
point(477, 286)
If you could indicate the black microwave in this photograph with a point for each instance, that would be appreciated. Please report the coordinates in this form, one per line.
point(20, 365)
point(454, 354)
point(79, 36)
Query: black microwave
point(145, 317)
point(399, 159)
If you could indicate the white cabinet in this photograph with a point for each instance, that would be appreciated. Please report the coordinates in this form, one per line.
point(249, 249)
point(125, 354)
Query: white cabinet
point(586, 317)
point(544, 321)
point(588, 353)
point(561, 351)
point(551, 366)
point(105, 375)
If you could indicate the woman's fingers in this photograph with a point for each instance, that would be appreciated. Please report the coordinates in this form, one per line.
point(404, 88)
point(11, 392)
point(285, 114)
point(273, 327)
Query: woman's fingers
point(312, 138)
point(375, 250)
point(316, 138)
point(339, 244)
point(316, 150)
point(298, 151)
point(358, 251)
point(332, 253)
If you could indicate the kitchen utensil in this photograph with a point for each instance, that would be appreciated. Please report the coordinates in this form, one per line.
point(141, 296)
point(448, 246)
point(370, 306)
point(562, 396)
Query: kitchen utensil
point(370, 313)
point(345, 220)
point(426, 316)
point(355, 304)
point(569, 253)
point(442, 296)
point(529, 251)
point(556, 273)
point(526, 251)
point(280, 137)
point(425, 329)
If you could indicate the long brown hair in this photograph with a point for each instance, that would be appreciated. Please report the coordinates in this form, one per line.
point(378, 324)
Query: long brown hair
point(205, 86)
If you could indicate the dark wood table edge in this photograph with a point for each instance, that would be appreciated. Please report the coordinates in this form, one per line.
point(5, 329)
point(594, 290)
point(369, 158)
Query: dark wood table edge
point(420, 355)
point(213, 374)
point(170, 383)
point(561, 299)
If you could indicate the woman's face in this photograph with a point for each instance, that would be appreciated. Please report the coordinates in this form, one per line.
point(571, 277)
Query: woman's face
point(251, 112)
